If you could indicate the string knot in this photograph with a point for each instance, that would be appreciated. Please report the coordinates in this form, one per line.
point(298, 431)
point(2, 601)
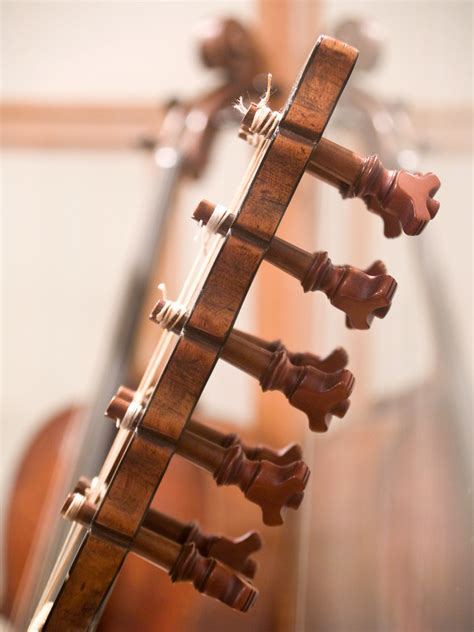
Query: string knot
point(265, 120)
point(170, 314)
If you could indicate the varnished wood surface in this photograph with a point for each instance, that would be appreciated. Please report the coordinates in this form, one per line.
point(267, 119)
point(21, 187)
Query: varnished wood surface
point(361, 294)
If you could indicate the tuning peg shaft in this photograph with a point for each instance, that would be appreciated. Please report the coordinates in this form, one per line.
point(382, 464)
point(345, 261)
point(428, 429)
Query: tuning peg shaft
point(407, 197)
point(234, 552)
point(270, 486)
point(319, 395)
point(335, 361)
point(359, 295)
point(285, 456)
point(266, 484)
point(182, 562)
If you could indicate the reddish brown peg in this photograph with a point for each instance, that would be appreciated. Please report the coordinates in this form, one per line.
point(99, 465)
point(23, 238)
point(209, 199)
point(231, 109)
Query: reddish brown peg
point(235, 552)
point(335, 361)
point(405, 197)
point(270, 486)
point(360, 295)
point(182, 562)
point(391, 224)
point(377, 268)
point(285, 456)
point(319, 395)
point(232, 552)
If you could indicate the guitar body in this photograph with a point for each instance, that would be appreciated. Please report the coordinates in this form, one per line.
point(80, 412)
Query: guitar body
point(36, 479)
point(144, 598)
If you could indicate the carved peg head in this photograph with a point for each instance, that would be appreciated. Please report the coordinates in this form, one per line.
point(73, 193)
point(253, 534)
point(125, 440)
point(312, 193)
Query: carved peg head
point(285, 456)
point(362, 296)
point(276, 487)
point(359, 295)
point(391, 225)
point(412, 196)
point(336, 360)
point(321, 395)
point(376, 269)
point(266, 484)
point(236, 552)
point(407, 197)
point(213, 579)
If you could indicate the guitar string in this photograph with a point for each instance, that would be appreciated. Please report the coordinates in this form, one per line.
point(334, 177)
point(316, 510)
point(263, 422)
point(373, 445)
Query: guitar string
point(194, 279)
point(71, 540)
point(190, 286)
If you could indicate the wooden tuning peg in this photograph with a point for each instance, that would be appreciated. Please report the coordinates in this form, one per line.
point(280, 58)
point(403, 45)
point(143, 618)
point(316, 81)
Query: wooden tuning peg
point(319, 395)
point(272, 487)
point(335, 361)
point(285, 456)
point(182, 562)
point(232, 552)
point(235, 553)
point(359, 295)
point(406, 197)
point(225, 44)
point(376, 269)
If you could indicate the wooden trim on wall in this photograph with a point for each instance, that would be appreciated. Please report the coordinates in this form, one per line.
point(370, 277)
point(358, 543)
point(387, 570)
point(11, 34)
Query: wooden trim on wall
point(110, 126)
point(118, 126)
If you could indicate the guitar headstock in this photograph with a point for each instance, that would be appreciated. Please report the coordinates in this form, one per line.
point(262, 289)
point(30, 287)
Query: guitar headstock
point(156, 421)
